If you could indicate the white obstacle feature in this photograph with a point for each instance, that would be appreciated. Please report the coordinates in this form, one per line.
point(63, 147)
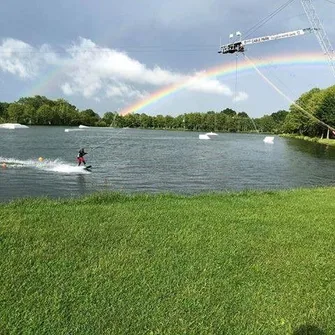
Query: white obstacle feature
point(13, 126)
point(204, 137)
point(269, 139)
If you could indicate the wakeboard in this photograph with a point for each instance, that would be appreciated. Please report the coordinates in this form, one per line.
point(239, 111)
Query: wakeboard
point(88, 168)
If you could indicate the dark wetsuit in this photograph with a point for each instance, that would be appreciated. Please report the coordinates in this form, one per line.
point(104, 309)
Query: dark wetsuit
point(80, 156)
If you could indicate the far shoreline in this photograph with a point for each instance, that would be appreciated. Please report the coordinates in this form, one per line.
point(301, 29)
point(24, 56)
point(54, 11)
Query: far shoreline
point(324, 141)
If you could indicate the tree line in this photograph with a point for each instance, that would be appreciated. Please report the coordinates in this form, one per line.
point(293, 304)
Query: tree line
point(40, 110)
point(320, 103)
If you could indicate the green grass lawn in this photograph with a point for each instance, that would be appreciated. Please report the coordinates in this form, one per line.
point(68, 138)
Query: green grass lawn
point(240, 263)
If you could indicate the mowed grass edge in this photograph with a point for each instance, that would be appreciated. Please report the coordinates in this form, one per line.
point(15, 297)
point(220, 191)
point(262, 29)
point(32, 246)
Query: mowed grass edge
point(239, 263)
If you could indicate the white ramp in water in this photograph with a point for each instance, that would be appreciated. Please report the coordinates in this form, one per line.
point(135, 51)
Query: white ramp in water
point(83, 127)
point(72, 129)
point(204, 137)
point(211, 134)
point(13, 126)
point(269, 139)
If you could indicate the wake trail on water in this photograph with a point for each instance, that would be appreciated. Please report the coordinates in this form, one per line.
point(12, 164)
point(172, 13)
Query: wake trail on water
point(46, 165)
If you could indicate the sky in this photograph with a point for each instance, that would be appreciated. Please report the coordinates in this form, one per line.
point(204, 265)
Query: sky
point(112, 55)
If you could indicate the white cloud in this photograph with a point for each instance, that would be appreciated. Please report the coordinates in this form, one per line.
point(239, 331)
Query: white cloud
point(18, 58)
point(201, 84)
point(67, 89)
point(96, 69)
point(23, 60)
point(111, 64)
point(96, 72)
point(125, 91)
point(240, 96)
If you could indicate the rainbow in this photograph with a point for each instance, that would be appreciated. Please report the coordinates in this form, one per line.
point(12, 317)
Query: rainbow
point(310, 59)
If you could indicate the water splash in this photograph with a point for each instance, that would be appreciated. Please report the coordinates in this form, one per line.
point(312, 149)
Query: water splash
point(46, 165)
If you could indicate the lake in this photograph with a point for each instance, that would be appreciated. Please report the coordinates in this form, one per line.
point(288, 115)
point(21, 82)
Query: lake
point(134, 160)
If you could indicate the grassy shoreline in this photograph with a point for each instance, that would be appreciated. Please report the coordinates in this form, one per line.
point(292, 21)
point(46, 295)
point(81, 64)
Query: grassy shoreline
point(324, 141)
point(239, 263)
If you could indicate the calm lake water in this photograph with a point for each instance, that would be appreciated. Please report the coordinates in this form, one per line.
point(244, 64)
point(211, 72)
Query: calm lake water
point(134, 160)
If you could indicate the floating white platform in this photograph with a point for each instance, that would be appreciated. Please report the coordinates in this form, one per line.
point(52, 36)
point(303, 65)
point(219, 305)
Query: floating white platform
point(204, 137)
point(83, 127)
point(211, 134)
point(72, 129)
point(13, 126)
point(269, 139)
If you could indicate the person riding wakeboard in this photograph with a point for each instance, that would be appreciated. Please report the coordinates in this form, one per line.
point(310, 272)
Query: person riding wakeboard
point(80, 156)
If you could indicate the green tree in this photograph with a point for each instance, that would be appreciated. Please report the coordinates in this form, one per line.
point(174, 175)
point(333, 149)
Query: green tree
point(221, 122)
point(44, 115)
point(3, 110)
point(131, 120)
point(242, 114)
point(169, 122)
point(159, 122)
point(145, 121)
point(266, 124)
point(279, 117)
point(193, 121)
point(110, 118)
point(36, 102)
point(178, 122)
point(325, 110)
point(299, 121)
point(209, 121)
point(67, 113)
point(88, 117)
point(231, 124)
point(15, 113)
point(101, 123)
point(229, 112)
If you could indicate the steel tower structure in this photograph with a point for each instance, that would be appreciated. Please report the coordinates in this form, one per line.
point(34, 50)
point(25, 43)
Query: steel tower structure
point(320, 32)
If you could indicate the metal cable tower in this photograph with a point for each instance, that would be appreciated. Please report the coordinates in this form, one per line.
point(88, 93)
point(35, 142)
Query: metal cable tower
point(319, 32)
